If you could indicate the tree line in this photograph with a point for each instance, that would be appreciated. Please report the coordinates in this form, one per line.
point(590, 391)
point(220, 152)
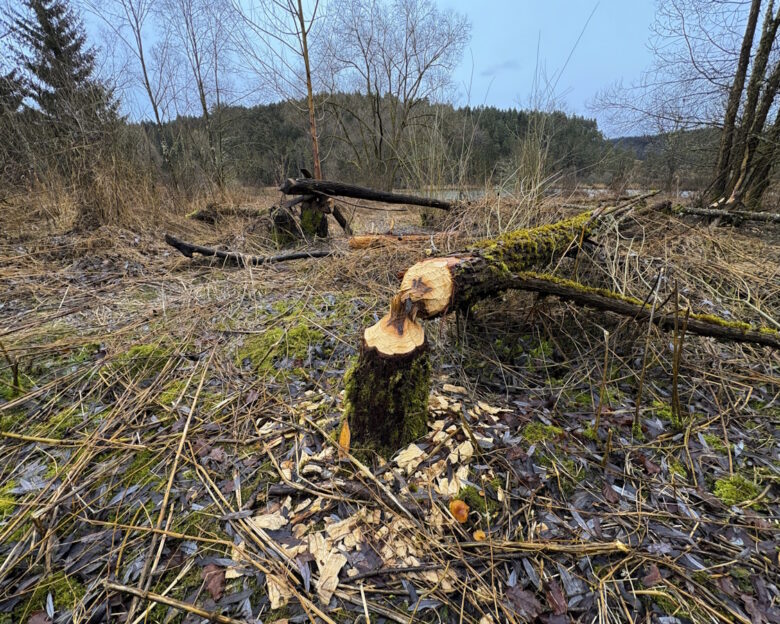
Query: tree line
point(359, 90)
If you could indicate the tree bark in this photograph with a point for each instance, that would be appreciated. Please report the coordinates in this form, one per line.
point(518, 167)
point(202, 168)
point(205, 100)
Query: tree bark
point(758, 77)
point(339, 189)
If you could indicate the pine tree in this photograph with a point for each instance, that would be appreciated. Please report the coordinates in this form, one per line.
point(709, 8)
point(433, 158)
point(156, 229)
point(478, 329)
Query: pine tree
point(61, 67)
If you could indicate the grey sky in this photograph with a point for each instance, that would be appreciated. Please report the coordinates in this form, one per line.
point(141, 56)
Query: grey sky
point(501, 62)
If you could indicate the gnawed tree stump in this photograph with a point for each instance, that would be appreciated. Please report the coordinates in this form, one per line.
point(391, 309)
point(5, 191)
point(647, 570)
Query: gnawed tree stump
point(387, 389)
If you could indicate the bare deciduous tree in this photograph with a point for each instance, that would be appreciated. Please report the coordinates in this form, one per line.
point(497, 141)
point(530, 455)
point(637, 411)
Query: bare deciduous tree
point(399, 53)
point(710, 71)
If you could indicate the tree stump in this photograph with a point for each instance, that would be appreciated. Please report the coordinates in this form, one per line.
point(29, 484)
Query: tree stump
point(387, 388)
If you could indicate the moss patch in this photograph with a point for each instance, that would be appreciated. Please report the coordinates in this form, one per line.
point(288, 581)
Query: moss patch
point(265, 350)
point(66, 593)
point(7, 500)
point(386, 401)
point(477, 500)
point(735, 490)
point(536, 432)
point(145, 360)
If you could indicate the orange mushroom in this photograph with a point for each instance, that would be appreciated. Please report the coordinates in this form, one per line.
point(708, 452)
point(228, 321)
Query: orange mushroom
point(459, 510)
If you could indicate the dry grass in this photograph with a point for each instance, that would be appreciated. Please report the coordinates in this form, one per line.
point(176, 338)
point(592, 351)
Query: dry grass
point(163, 403)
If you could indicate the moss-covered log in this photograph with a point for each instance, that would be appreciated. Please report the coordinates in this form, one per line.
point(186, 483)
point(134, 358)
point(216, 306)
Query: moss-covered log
point(387, 388)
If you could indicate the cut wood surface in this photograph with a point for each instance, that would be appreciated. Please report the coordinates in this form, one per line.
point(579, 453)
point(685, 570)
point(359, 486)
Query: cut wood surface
point(339, 189)
point(239, 259)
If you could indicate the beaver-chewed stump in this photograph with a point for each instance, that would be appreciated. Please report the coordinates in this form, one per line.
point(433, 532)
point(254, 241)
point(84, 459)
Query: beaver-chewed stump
point(387, 388)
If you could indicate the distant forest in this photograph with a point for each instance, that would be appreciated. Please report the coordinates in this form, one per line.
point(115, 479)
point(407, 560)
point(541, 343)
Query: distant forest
point(446, 146)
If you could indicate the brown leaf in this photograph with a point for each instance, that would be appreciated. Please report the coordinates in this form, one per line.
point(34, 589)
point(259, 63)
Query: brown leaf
point(555, 598)
point(214, 578)
point(524, 602)
point(649, 466)
point(344, 439)
point(653, 576)
point(610, 495)
point(218, 454)
point(39, 617)
point(726, 585)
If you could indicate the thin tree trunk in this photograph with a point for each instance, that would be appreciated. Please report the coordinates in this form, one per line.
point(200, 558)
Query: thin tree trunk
point(735, 97)
point(757, 78)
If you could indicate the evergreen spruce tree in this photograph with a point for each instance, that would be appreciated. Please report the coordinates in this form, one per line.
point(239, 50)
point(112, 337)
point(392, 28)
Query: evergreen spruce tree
point(61, 66)
point(76, 113)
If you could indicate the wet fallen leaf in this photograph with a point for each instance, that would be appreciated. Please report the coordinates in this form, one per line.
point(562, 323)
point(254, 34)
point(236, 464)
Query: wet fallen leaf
point(214, 578)
point(524, 602)
point(39, 617)
point(555, 598)
point(653, 576)
point(610, 495)
point(459, 510)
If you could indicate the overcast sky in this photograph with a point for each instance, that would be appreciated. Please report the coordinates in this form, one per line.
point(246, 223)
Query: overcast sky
point(501, 61)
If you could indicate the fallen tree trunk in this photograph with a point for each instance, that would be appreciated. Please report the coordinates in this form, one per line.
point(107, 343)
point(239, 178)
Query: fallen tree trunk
point(339, 189)
point(387, 388)
point(239, 259)
point(741, 215)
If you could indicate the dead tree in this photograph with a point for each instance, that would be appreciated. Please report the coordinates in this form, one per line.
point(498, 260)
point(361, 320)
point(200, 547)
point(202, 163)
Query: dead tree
point(387, 388)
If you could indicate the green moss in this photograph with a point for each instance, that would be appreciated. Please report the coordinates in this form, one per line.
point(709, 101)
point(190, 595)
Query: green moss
point(9, 420)
point(7, 500)
point(735, 490)
point(386, 402)
point(141, 470)
point(476, 501)
point(714, 442)
point(143, 359)
point(668, 605)
point(590, 433)
point(264, 350)
point(584, 399)
point(66, 593)
point(677, 467)
point(66, 419)
point(536, 432)
point(666, 413)
point(742, 577)
point(518, 250)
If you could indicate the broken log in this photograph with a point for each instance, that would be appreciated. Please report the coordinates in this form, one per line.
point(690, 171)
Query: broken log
point(239, 259)
point(370, 241)
point(738, 215)
point(339, 189)
point(387, 388)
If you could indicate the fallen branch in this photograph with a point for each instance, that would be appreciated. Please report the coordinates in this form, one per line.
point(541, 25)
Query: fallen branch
point(239, 259)
point(211, 616)
point(367, 241)
point(338, 189)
